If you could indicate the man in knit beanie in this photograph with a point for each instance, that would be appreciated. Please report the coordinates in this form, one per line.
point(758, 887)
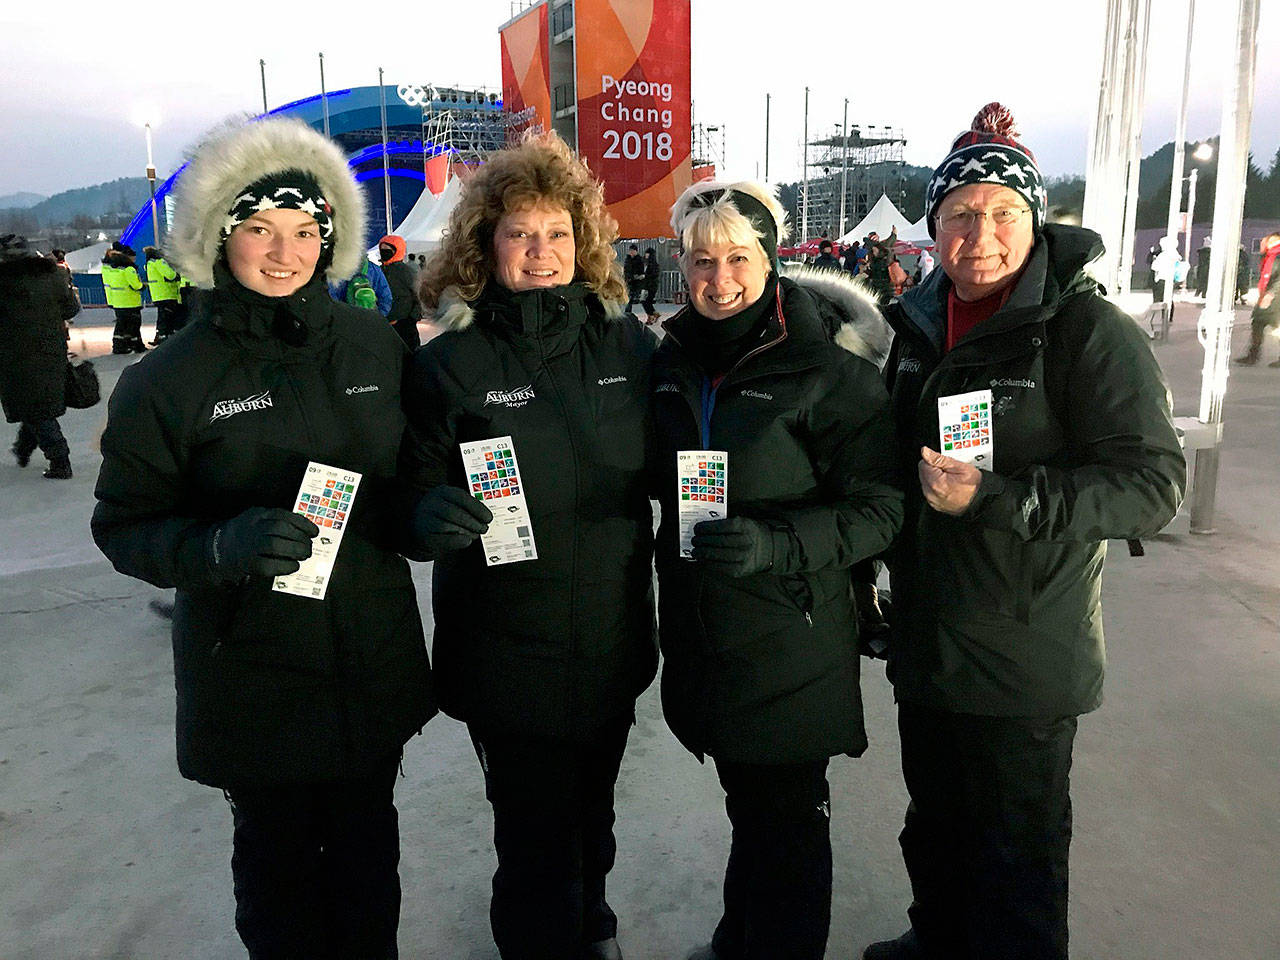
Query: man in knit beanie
point(1033, 426)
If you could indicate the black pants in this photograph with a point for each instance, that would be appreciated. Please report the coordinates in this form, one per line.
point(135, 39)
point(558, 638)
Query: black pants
point(128, 332)
point(315, 868)
point(635, 291)
point(170, 318)
point(553, 831)
point(777, 886)
point(650, 291)
point(987, 833)
point(46, 434)
point(1260, 322)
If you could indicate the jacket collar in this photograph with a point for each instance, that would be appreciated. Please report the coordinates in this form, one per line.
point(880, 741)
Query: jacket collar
point(1054, 270)
point(294, 320)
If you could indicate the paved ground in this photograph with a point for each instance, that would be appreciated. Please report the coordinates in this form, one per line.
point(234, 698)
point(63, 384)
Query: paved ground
point(108, 853)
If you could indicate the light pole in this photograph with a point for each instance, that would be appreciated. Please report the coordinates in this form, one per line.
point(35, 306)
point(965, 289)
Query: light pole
point(386, 171)
point(844, 166)
point(324, 97)
point(1202, 153)
point(766, 137)
point(151, 182)
point(804, 200)
point(1179, 139)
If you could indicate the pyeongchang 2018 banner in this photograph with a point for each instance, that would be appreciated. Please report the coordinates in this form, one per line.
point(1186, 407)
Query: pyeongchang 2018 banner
point(633, 89)
point(526, 82)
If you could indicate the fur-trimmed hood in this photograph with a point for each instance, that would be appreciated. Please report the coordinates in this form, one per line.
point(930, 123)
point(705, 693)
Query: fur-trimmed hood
point(454, 313)
point(229, 160)
point(862, 329)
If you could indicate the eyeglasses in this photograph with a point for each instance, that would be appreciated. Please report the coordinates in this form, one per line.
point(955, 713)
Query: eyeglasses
point(962, 221)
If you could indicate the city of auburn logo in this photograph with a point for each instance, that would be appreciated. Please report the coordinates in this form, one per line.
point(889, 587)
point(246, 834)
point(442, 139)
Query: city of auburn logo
point(510, 398)
point(229, 408)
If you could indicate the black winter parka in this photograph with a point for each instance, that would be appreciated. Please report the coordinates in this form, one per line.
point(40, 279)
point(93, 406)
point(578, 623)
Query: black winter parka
point(764, 668)
point(999, 611)
point(35, 303)
point(271, 687)
point(555, 646)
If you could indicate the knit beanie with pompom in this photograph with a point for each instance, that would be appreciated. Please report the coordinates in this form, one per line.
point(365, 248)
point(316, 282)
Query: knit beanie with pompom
point(988, 152)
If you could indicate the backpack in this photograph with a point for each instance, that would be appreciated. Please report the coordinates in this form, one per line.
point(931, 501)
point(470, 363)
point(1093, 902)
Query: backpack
point(360, 292)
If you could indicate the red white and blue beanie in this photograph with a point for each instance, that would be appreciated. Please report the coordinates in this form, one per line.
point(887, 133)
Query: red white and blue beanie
point(989, 152)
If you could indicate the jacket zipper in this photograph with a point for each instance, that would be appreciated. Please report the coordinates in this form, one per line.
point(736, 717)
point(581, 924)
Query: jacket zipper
point(577, 488)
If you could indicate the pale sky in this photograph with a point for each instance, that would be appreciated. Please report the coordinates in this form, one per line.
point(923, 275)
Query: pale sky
point(76, 74)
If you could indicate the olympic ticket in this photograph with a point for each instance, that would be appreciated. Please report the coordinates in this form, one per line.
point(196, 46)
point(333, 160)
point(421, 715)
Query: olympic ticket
point(702, 491)
point(964, 427)
point(493, 476)
point(325, 498)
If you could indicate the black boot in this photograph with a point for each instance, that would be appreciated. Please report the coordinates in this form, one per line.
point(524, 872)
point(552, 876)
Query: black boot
point(22, 458)
point(905, 947)
point(59, 469)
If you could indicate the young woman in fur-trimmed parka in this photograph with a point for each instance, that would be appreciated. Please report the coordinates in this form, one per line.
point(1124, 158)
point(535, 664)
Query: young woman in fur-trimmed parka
point(543, 657)
point(757, 622)
point(297, 707)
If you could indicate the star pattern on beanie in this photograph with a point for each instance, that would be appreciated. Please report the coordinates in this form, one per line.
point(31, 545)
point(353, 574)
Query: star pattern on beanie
point(288, 190)
point(989, 152)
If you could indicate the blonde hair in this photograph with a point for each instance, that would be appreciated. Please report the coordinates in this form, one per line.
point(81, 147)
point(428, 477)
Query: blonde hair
point(721, 222)
point(540, 169)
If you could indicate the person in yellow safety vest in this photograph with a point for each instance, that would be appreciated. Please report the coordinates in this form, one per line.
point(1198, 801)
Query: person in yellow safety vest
point(163, 282)
point(124, 295)
point(186, 297)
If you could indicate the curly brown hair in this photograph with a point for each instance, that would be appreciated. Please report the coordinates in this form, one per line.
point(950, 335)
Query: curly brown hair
point(540, 169)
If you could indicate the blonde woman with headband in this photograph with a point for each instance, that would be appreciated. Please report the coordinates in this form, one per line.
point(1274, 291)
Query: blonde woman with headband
point(775, 381)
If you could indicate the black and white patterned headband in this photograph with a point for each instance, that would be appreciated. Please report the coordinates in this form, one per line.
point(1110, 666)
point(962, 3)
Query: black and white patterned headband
point(288, 190)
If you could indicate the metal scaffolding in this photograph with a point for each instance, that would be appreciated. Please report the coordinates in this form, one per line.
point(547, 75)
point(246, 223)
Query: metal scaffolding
point(858, 168)
point(469, 123)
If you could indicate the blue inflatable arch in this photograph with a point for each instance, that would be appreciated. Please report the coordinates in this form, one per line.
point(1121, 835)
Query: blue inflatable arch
point(352, 114)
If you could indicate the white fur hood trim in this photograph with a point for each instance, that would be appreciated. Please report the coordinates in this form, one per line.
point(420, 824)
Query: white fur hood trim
point(454, 313)
point(864, 331)
point(228, 160)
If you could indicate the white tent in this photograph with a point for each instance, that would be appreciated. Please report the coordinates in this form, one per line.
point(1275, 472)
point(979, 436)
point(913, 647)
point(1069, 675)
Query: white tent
point(87, 259)
point(918, 233)
point(882, 219)
point(423, 227)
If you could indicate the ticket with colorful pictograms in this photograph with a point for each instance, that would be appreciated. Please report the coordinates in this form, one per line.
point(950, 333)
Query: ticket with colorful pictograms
point(493, 476)
point(964, 427)
point(702, 491)
point(325, 498)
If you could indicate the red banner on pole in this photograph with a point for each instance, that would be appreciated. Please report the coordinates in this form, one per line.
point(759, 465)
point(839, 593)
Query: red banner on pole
point(633, 98)
point(526, 75)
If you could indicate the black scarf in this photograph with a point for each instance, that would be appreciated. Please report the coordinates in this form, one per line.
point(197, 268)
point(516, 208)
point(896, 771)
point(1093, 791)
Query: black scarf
point(716, 345)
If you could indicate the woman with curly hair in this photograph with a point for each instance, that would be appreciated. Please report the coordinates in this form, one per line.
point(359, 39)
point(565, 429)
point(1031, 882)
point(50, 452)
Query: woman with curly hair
point(543, 657)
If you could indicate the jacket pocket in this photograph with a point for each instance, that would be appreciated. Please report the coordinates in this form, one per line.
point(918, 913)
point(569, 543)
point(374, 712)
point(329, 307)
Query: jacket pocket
point(801, 590)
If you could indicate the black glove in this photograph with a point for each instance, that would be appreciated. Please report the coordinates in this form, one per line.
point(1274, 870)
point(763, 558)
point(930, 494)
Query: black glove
point(447, 519)
point(873, 620)
point(738, 546)
point(261, 542)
